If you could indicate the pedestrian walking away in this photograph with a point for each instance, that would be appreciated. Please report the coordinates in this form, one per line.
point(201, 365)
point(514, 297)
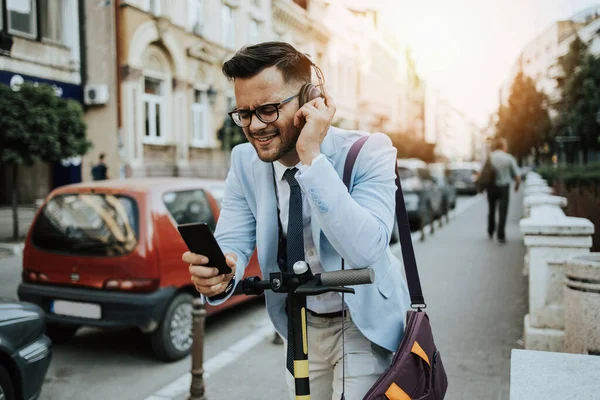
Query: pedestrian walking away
point(100, 170)
point(285, 196)
point(505, 171)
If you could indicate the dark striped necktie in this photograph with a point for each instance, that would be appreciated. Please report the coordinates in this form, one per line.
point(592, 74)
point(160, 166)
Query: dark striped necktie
point(295, 246)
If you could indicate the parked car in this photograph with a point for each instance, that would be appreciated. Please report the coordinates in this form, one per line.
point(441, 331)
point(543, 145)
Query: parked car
point(108, 254)
point(464, 177)
point(441, 174)
point(25, 352)
point(423, 197)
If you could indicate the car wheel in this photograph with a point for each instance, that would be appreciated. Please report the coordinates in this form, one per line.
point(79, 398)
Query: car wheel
point(7, 391)
point(60, 333)
point(173, 338)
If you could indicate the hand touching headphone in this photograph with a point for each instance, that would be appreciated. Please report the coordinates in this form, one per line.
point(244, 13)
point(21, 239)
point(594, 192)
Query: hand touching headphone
point(316, 111)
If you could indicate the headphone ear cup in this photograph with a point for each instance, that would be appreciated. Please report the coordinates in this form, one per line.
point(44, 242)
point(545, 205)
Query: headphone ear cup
point(308, 92)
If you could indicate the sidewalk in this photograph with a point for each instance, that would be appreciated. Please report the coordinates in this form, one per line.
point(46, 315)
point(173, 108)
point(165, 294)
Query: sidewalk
point(476, 296)
point(7, 243)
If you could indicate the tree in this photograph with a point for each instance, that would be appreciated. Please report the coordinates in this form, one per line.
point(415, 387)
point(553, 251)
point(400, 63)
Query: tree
point(524, 121)
point(409, 147)
point(36, 125)
point(580, 96)
point(571, 61)
point(230, 134)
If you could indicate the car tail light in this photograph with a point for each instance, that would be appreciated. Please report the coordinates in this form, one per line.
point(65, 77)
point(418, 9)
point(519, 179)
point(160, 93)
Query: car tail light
point(34, 276)
point(29, 276)
point(132, 285)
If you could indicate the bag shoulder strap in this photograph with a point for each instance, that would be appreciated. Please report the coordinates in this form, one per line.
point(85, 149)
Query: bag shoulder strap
point(408, 252)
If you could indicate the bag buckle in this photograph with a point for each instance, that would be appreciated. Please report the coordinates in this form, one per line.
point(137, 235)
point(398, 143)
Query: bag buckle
point(418, 306)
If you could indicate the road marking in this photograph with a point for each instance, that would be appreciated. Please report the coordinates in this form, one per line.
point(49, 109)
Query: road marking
point(181, 385)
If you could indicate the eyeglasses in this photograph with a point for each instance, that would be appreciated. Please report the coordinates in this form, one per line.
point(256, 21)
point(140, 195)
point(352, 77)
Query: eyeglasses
point(266, 113)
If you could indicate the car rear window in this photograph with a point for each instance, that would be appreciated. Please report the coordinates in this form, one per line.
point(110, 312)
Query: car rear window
point(189, 206)
point(405, 173)
point(88, 224)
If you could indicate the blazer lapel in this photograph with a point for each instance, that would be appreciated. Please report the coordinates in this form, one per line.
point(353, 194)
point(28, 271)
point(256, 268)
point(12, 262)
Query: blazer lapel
point(328, 149)
point(266, 216)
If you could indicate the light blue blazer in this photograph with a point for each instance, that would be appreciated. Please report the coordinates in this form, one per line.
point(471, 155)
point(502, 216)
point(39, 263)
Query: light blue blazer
point(355, 225)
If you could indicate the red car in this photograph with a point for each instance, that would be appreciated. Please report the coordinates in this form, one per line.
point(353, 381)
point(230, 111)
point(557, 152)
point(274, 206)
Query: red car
point(108, 254)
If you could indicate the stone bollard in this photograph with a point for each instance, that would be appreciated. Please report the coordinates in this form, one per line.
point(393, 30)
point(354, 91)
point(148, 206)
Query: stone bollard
point(582, 304)
point(540, 199)
point(197, 387)
point(551, 238)
point(541, 189)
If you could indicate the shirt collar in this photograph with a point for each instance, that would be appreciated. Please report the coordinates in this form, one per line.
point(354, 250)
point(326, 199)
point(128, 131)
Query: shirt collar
point(280, 169)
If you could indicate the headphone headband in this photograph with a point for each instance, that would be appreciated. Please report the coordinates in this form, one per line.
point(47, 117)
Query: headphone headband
point(318, 72)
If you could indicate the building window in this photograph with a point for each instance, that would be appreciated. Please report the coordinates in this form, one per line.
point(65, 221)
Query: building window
point(200, 120)
point(152, 6)
point(254, 31)
point(228, 26)
point(21, 17)
point(197, 16)
point(154, 110)
point(51, 12)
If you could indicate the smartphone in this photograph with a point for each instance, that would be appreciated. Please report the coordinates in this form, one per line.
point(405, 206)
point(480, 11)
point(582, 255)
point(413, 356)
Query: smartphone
point(200, 240)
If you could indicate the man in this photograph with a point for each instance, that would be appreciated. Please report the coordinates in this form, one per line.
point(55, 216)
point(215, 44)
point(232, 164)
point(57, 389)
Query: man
point(506, 170)
point(293, 150)
point(100, 170)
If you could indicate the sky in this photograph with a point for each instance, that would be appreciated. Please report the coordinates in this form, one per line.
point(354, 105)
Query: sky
point(465, 49)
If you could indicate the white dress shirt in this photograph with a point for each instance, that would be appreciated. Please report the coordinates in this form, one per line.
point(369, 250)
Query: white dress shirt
point(327, 302)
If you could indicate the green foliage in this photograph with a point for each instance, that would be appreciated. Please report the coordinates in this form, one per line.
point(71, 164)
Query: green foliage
point(572, 175)
point(524, 122)
point(36, 125)
point(580, 96)
point(573, 59)
point(230, 134)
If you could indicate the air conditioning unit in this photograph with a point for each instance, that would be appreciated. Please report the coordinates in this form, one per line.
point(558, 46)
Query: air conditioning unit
point(95, 94)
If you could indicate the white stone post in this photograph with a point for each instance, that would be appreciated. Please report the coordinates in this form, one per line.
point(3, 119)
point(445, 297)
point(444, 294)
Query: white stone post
point(551, 238)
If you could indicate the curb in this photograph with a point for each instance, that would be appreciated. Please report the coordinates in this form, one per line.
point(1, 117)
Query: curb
point(12, 248)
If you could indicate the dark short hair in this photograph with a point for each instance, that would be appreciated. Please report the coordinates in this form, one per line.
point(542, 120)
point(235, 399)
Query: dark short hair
point(251, 60)
point(101, 156)
point(499, 143)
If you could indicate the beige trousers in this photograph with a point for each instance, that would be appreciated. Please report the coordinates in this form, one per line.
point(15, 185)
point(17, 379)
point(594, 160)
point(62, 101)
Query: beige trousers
point(364, 361)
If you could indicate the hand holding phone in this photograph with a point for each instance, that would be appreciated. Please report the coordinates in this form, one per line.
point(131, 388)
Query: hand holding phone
point(210, 269)
point(206, 279)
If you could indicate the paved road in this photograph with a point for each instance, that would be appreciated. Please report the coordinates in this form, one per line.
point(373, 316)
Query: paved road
point(476, 297)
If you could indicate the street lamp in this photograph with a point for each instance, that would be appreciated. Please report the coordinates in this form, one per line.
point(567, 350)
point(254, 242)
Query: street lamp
point(212, 95)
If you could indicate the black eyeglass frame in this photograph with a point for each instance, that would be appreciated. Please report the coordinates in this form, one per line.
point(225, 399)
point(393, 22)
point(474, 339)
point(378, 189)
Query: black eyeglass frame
point(256, 111)
point(320, 85)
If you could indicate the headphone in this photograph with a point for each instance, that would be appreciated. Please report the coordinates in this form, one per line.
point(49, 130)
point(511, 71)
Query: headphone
point(308, 91)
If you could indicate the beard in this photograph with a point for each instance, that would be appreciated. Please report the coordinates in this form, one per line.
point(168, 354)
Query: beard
point(281, 144)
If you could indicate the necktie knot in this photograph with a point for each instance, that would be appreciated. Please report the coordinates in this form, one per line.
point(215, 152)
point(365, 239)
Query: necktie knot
point(290, 178)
